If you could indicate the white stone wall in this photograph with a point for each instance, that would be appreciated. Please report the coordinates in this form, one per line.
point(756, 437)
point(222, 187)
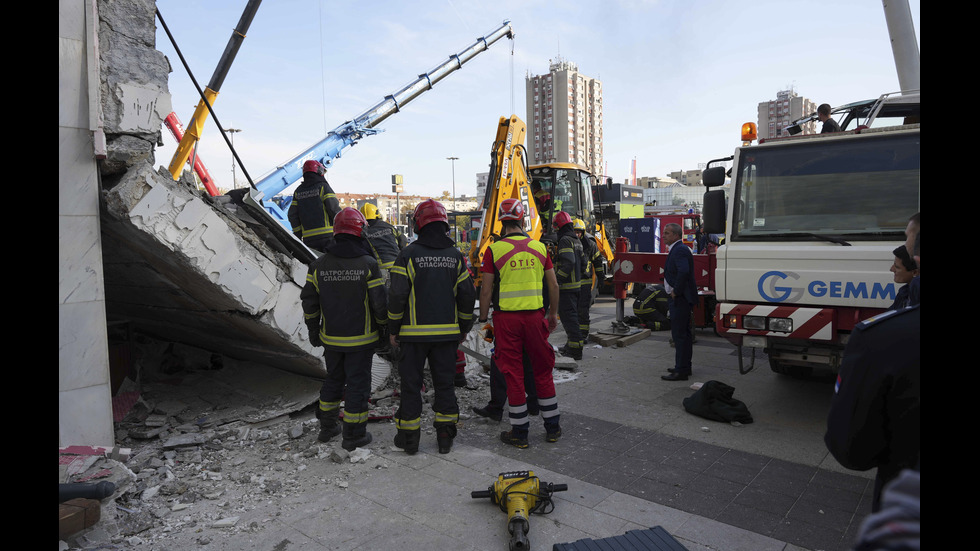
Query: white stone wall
point(84, 397)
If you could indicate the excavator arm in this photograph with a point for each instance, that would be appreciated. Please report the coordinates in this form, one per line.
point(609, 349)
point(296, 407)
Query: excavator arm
point(508, 179)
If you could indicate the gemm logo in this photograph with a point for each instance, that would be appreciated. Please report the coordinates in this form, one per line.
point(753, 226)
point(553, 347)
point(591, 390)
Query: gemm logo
point(770, 289)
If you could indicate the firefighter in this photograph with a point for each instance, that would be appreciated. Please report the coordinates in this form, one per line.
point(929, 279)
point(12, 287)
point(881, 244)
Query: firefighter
point(514, 270)
point(568, 270)
point(592, 264)
point(314, 208)
point(344, 301)
point(430, 311)
point(651, 307)
point(385, 239)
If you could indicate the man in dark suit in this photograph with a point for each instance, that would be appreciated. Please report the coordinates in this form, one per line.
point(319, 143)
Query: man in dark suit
point(679, 284)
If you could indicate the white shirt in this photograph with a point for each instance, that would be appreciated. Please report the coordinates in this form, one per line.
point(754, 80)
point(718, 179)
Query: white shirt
point(667, 287)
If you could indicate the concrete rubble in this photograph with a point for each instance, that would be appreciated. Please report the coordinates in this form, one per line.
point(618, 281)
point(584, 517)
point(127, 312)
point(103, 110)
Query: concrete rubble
point(207, 446)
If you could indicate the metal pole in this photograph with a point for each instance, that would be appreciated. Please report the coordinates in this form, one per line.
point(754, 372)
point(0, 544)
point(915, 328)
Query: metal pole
point(231, 132)
point(453, 160)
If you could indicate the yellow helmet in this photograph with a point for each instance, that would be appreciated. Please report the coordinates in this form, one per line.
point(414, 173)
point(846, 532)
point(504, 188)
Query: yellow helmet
point(369, 211)
point(578, 224)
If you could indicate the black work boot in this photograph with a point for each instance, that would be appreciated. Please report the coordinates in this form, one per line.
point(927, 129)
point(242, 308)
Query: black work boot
point(355, 436)
point(459, 380)
point(328, 425)
point(445, 432)
point(515, 438)
point(407, 440)
point(488, 413)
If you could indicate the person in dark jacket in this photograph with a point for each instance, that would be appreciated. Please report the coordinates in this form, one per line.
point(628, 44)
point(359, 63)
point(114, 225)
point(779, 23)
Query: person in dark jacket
point(905, 271)
point(683, 293)
point(874, 419)
point(568, 271)
point(829, 124)
point(592, 264)
point(429, 313)
point(314, 207)
point(344, 302)
point(385, 239)
point(651, 307)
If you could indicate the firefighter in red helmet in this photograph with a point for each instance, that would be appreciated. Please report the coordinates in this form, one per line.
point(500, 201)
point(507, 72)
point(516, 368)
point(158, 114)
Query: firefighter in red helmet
point(515, 268)
point(429, 313)
point(570, 263)
point(339, 284)
point(314, 207)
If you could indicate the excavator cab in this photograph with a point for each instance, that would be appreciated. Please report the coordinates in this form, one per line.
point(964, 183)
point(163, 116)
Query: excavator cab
point(562, 187)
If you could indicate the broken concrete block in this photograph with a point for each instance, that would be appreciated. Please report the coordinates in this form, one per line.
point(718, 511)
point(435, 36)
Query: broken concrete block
point(193, 439)
point(339, 455)
point(359, 455)
point(226, 522)
point(295, 432)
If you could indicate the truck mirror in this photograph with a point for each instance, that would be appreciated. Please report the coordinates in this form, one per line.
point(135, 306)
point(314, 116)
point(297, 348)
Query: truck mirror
point(713, 177)
point(713, 213)
point(609, 184)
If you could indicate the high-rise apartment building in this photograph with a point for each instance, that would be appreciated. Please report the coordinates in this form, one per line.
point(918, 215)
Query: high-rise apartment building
point(564, 117)
point(775, 116)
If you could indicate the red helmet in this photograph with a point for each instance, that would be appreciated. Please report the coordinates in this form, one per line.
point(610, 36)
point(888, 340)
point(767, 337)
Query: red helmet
point(429, 211)
point(511, 209)
point(349, 221)
point(562, 218)
point(313, 166)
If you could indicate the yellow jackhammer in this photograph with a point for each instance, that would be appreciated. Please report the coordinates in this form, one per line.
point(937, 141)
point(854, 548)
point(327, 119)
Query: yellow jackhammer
point(519, 494)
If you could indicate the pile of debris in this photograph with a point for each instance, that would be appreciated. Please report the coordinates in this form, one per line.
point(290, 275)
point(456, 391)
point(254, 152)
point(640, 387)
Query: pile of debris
point(207, 445)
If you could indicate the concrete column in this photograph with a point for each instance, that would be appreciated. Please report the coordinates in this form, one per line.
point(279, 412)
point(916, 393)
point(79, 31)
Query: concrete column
point(84, 395)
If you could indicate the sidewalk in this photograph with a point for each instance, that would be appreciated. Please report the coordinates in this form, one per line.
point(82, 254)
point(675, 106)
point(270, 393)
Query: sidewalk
point(631, 456)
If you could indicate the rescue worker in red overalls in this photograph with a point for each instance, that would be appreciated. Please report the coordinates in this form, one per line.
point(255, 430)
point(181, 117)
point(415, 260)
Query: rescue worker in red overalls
point(514, 270)
point(345, 307)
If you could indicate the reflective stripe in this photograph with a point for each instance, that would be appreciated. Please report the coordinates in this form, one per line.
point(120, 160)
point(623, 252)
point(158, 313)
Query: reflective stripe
point(357, 340)
point(569, 286)
point(372, 283)
point(388, 265)
point(410, 424)
point(446, 417)
point(355, 418)
point(400, 270)
point(428, 330)
point(329, 406)
point(393, 316)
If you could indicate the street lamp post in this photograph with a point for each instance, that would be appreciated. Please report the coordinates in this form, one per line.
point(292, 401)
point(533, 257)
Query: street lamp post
point(231, 132)
point(455, 229)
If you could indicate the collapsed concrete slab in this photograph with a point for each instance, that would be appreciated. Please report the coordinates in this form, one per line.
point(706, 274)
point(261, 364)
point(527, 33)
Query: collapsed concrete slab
point(183, 268)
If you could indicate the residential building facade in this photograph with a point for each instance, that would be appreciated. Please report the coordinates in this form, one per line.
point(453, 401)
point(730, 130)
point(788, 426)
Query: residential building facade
point(564, 117)
point(776, 115)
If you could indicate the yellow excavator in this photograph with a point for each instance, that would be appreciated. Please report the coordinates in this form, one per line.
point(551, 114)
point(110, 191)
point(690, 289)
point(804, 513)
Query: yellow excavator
point(544, 190)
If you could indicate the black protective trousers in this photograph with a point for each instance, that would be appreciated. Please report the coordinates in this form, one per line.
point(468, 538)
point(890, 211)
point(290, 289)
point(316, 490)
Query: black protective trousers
point(568, 314)
point(442, 366)
point(348, 379)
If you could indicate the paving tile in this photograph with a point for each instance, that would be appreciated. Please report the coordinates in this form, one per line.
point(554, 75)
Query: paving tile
point(633, 466)
point(670, 474)
point(734, 473)
point(820, 515)
point(749, 518)
point(836, 498)
point(744, 459)
point(810, 536)
point(612, 479)
point(652, 490)
point(765, 500)
point(843, 481)
point(723, 490)
point(593, 454)
point(785, 484)
point(698, 503)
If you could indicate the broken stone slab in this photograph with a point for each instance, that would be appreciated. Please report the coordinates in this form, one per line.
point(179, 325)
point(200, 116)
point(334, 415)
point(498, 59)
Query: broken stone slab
point(339, 455)
point(155, 420)
point(226, 522)
point(296, 431)
point(191, 439)
point(566, 363)
point(359, 455)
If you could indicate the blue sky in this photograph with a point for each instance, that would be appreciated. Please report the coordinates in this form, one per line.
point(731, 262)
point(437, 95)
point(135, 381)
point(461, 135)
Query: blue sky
point(679, 77)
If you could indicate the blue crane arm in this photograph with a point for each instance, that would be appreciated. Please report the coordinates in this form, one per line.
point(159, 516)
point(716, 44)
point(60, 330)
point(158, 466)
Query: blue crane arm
point(350, 132)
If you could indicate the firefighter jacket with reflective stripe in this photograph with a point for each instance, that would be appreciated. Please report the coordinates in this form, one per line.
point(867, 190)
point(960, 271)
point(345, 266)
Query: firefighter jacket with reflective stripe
point(519, 264)
point(384, 237)
point(571, 260)
point(432, 293)
point(313, 208)
point(345, 297)
point(593, 260)
point(653, 298)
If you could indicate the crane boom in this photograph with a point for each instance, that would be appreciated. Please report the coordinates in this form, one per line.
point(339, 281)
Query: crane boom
point(348, 133)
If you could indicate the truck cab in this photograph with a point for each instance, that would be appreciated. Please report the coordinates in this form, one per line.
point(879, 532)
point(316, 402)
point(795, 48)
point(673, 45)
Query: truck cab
point(809, 234)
